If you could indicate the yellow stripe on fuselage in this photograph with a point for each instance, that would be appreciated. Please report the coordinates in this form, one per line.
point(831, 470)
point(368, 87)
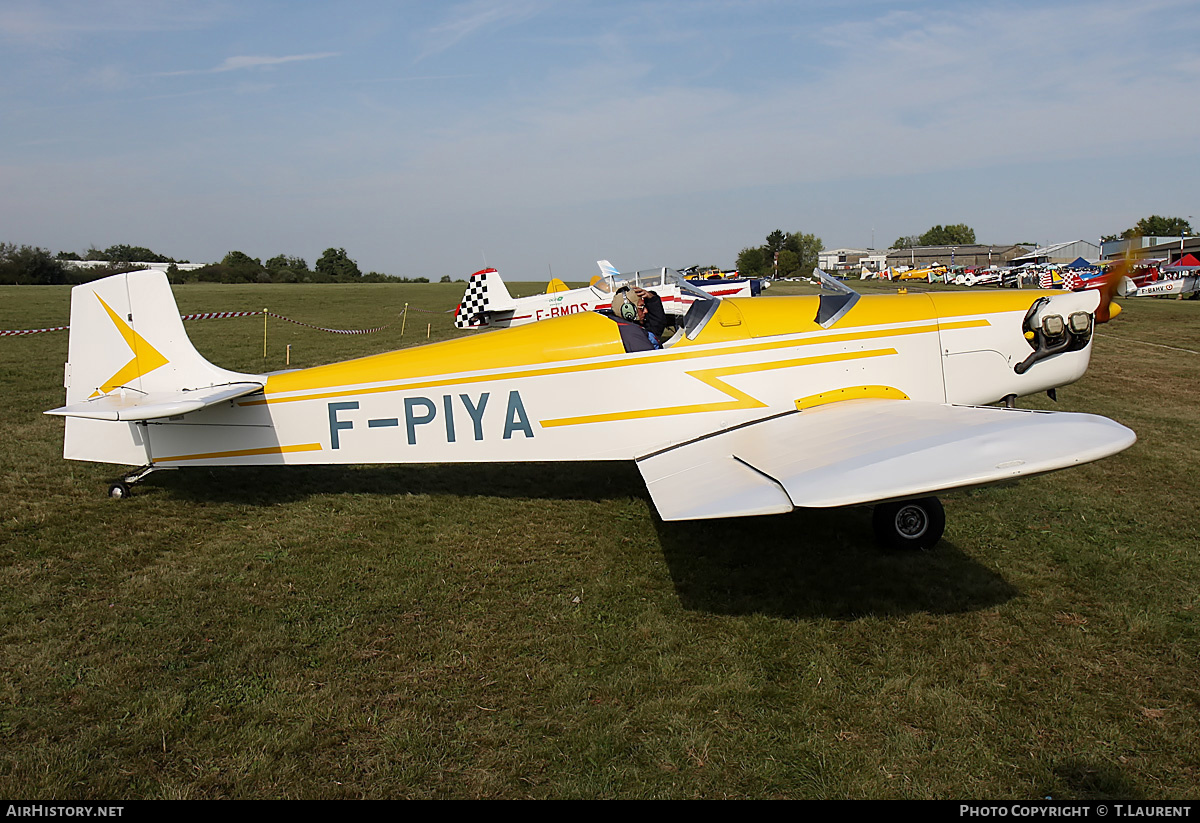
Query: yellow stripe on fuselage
point(304, 447)
point(575, 337)
point(712, 377)
point(548, 347)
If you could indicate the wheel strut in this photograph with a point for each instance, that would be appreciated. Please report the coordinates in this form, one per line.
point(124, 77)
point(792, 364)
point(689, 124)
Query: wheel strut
point(123, 488)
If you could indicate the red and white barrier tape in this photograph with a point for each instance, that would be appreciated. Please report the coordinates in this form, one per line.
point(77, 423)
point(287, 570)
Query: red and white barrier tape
point(18, 332)
point(322, 328)
point(212, 315)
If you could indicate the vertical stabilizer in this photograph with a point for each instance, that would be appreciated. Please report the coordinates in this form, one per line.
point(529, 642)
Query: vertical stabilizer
point(127, 346)
point(485, 294)
point(126, 334)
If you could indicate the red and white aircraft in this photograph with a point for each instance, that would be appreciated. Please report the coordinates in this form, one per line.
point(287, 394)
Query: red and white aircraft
point(487, 302)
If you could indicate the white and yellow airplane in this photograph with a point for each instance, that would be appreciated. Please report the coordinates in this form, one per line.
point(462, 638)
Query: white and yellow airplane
point(753, 407)
point(930, 274)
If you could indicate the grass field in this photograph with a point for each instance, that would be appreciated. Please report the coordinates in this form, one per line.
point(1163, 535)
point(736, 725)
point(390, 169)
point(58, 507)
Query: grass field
point(535, 631)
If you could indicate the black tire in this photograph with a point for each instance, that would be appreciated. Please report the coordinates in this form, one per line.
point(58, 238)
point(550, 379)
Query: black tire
point(119, 490)
point(910, 525)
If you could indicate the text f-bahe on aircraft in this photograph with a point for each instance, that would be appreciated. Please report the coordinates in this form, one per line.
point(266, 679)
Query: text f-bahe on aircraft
point(486, 303)
point(753, 407)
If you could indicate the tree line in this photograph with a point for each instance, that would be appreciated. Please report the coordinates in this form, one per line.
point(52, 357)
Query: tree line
point(790, 254)
point(29, 265)
point(1154, 226)
point(333, 266)
point(958, 234)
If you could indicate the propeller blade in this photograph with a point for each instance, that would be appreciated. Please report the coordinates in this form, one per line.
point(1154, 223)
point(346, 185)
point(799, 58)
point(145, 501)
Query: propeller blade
point(1110, 280)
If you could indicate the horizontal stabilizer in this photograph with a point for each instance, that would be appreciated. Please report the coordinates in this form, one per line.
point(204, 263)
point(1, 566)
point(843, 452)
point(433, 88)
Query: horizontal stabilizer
point(868, 451)
point(132, 405)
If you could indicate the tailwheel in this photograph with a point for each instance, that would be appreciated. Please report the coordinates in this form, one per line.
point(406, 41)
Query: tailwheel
point(909, 524)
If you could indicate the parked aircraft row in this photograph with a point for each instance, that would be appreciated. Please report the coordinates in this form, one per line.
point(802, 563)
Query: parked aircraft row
point(1145, 278)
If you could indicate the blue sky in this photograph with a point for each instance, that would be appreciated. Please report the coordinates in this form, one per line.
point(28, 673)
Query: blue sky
point(432, 138)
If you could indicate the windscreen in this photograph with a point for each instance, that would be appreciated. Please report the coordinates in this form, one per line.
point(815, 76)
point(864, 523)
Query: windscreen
point(836, 299)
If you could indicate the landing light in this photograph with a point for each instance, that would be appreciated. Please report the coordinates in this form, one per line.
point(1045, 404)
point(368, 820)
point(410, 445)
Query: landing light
point(1053, 325)
point(1079, 322)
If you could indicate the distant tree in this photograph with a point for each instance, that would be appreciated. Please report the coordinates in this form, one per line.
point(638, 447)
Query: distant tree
point(282, 261)
point(445, 278)
point(132, 254)
point(284, 269)
point(212, 273)
point(235, 267)
point(1154, 226)
point(807, 249)
point(27, 265)
point(960, 234)
point(240, 267)
point(788, 255)
point(754, 262)
point(788, 263)
point(335, 264)
point(907, 242)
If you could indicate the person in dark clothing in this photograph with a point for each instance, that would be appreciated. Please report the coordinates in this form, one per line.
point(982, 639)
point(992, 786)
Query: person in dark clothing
point(644, 308)
point(654, 317)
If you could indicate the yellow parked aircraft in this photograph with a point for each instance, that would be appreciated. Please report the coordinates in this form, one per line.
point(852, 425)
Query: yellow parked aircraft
point(928, 274)
point(753, 406)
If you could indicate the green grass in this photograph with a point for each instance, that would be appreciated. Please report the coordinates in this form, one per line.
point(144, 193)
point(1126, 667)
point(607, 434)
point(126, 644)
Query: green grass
point(535, 631)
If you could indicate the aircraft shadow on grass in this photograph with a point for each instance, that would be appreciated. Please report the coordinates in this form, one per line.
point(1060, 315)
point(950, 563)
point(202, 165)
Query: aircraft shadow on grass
point(811, 563)
point(598, 481)
point(819, 563)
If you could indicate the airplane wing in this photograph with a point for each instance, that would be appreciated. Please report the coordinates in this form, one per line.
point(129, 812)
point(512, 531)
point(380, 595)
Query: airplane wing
point(867, 451)
point(134, 405)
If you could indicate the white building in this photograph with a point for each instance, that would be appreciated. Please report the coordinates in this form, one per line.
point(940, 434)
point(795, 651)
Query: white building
point(98, 264)
point(846, 259)
point(1067, 252)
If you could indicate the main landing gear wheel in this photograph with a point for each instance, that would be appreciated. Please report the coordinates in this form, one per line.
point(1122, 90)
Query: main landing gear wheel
point(119, 490)
point(910, 524)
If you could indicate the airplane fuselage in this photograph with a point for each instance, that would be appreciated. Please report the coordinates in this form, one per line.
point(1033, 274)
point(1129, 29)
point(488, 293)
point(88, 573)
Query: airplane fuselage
point(565, 389)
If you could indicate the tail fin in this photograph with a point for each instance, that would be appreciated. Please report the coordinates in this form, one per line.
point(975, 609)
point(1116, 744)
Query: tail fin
point(556, 285)
point(607, 269)
point(108, 390)
point(485, 293)
point(133, 313)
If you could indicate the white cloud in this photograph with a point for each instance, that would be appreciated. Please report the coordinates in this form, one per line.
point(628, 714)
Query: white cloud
point(467, 19)
point(64, 24)
point(252, 62)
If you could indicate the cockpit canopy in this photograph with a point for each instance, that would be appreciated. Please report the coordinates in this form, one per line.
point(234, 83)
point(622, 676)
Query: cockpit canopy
point(693, 304)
